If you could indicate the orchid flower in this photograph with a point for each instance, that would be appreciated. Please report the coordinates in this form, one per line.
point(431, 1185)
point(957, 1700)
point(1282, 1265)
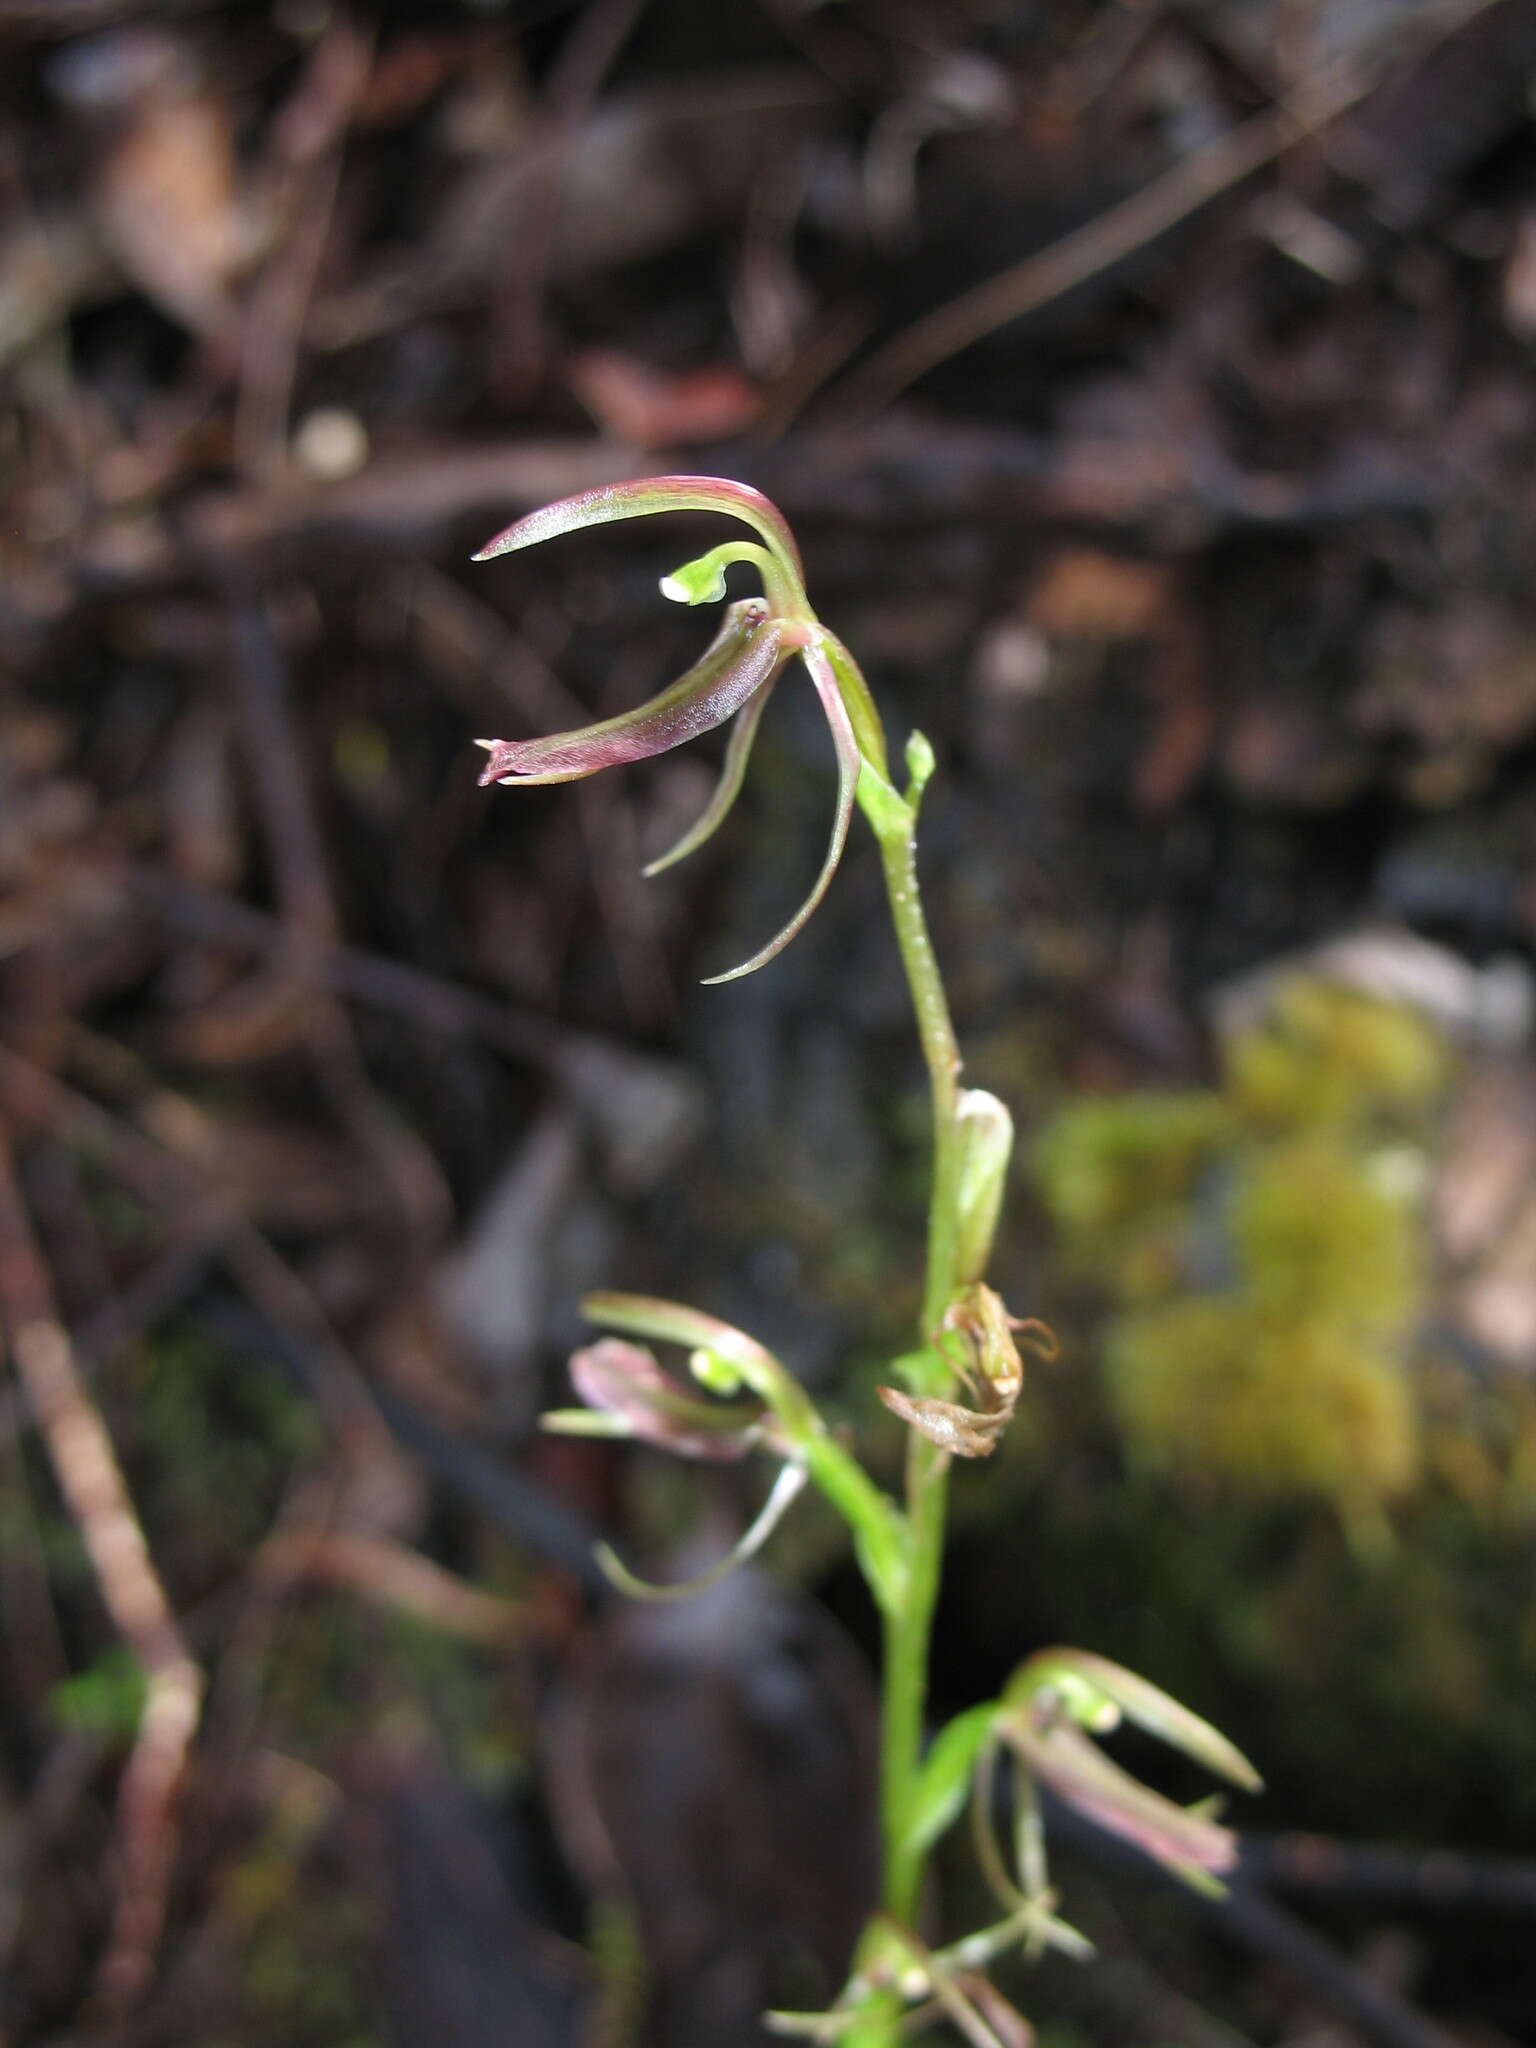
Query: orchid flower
point(733, 678)
point(759, 1405)
point(1057, 1701)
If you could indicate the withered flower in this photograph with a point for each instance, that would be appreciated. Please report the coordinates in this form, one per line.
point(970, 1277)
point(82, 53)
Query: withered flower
point(990, 1370)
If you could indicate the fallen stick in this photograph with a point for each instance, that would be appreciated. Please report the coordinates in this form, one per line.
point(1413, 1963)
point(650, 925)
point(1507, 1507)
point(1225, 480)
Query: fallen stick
point(91, 1482)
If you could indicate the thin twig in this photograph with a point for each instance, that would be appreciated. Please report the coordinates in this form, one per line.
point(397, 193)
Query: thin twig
point(173, 1180)
point(595, 40)
point(393, 1576)
point(128, 1314)
point(1249, 1918)
point(1375, 1874)
point(296, 848)
point(1382, 2017)
point(1111, 236)
point(91, 1482)
point(427, 1000)
point(579, 1059)
point(315, 125)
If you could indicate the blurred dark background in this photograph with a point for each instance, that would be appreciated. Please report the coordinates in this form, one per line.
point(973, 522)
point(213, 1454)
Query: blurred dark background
point(1150, 383)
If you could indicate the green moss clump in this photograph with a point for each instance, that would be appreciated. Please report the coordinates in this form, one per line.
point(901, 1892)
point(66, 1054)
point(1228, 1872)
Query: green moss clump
point(1260, 1246)
point(1327, 1054)
point(1114, 1170)
point(1213, 1388)
point(1317, 1232)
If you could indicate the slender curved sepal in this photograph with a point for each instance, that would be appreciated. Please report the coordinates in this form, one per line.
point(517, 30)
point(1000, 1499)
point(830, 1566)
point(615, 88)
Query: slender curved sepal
point(785, 1490)
point(727, 789)
point(673, 1322)
point(646, 495)
point(1053, 1706)
point(743, 656)
point(1097, 1692)
point(848, 764)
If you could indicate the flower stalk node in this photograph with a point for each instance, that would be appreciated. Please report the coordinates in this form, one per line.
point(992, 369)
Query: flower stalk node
point(990, 1369)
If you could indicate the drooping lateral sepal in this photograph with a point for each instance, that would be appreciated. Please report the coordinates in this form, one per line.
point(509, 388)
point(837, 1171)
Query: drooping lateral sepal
point(846, 747)
point(744, 656)
point(738, 749)
point(786, 1489)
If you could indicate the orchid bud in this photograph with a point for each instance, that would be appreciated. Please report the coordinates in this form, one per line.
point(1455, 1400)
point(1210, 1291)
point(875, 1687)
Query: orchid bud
point(985, 1131)
point(920, 765)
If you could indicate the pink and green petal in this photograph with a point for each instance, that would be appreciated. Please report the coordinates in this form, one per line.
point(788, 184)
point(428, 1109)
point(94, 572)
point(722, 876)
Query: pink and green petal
point(624, 1383)
point(728, 788)
point(1061, 1756)
point(742, 659)
point(673, 1322)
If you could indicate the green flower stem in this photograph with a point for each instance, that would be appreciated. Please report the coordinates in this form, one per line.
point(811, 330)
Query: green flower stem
point(896, 831)
point(908, 1630)
point(908, 1627)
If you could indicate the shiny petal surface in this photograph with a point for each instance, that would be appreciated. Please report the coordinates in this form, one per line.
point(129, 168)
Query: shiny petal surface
point(728, 788)
point(624, 1380)
point(1064, 1758)
point(744, 656)
point(639, 499)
